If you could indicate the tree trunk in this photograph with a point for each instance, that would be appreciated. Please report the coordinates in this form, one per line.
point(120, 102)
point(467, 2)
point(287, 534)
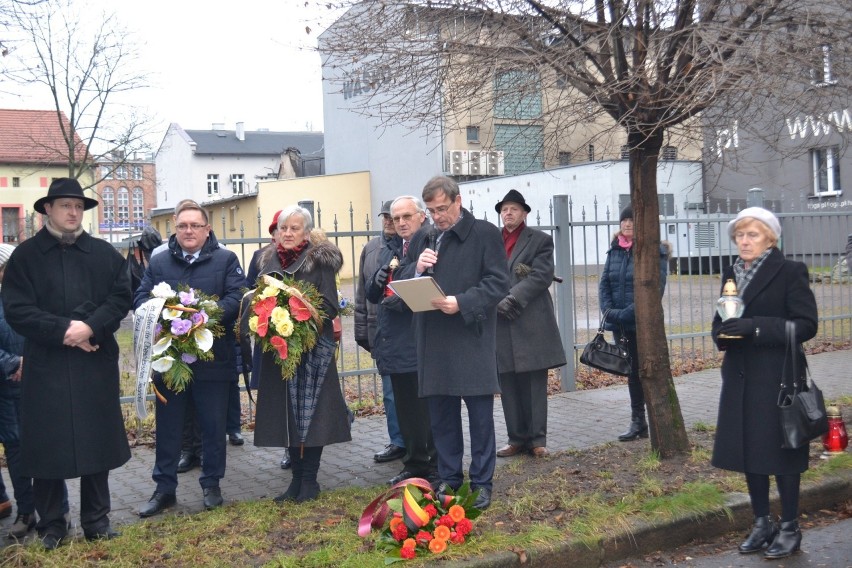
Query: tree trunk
point(667, 429)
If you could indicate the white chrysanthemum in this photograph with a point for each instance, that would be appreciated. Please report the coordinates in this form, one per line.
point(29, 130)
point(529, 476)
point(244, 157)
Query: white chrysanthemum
point(203, 338)
point(169, 314)
point(162, 346)
point(285, 327)
point(163, 290)
point(162, 364)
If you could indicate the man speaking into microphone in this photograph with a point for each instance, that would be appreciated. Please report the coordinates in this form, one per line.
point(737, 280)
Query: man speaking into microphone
point(456, 342)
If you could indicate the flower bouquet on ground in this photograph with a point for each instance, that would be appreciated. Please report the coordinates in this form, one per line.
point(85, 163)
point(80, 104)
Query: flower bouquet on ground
point(173, 330)
point(286, 319)
point(419, 521)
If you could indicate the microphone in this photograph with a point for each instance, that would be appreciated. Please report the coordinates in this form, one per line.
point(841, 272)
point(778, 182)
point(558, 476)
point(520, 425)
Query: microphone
point(432, 239)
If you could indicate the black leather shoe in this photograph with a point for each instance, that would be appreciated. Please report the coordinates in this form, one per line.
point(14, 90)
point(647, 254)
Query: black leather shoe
point(52, 541)
point(212, 498)
point(483, 500)
point(402, 476)
point(390, 453)
point(187, 462)
point(236, 439)
point(285, 461)
point(157, 503)
point(106, 534)
point(638, 429)
point(762, 533)
point(787, 541)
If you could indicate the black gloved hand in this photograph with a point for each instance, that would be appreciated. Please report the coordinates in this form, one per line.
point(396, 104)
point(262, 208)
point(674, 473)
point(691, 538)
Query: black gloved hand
point(509, 308)
point(394, 303)
point(381, 277)
point(363, 344)
point(737, 326)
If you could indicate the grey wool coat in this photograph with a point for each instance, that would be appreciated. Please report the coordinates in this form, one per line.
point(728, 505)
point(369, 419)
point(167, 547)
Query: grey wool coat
point(748, 432)
point(71, 420)
point(530, 342)
point(456, 354)
point(275, 424)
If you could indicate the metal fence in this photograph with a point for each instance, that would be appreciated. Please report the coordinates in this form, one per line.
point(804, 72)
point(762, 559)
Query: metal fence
point(700, 248)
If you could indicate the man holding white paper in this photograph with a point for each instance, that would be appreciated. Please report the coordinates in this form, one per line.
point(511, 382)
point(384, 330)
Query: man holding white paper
point(456, 342)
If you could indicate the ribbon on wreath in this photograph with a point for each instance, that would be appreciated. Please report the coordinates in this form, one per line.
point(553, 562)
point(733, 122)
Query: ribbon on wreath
point(145, 320)
point(376, 513)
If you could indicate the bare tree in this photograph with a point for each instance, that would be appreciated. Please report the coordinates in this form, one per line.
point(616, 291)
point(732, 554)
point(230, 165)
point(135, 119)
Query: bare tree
point(85, 68)
point(640, 71)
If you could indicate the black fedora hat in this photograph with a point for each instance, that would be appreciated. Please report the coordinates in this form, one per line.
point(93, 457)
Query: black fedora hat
point(514, 196)
point(64, 187)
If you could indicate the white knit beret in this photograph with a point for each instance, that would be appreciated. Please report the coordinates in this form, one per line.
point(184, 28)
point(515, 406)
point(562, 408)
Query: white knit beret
point(5, 253)
point(763, 215)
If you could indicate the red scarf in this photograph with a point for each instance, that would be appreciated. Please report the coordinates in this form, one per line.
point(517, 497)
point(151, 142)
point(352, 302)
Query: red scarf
point(511, 239)
point(289, 256)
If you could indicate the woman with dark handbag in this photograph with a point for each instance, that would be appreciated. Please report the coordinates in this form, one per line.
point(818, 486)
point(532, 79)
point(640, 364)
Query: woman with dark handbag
point(748, 433)
point(616, 301)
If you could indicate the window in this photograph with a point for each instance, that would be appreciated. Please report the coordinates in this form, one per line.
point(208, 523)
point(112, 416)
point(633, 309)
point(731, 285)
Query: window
point(821, 72)
point(137, 172)
point(669, 153)
point(109, 205)
point(11, 224)
point(138, 208)
point(212, 184)
point(625, 152)
point(238, 183)
point(473, 134)
point(564, 158)
point(517, 95)
point(107, 172)
point(826, 170)
point(16, 182)
point(123, 207)
point(591, 152)
point(121, 172)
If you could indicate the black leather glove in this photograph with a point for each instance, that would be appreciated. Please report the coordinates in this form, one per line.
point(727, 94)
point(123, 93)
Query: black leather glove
point(394, 303)
point(363, 344)
point(381, 277)
point(509, 308)
point(737, 326)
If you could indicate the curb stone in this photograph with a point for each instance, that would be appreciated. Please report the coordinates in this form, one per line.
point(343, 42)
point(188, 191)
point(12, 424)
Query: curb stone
point(736, 514)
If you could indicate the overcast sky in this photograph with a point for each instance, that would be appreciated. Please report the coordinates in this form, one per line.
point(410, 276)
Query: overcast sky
point(216, 61)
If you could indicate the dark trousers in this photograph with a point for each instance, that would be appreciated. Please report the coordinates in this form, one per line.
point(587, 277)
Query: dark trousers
point(414, 425)
point(524, 400)
point(10, 419)
point(209, 399)
point(788, 491)
point(191, 442)
point(634, 386)
point(445, 414)
point(51, 504)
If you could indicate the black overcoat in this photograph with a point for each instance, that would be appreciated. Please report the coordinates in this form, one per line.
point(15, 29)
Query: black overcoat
point(748, 432)
point(71, 419)
point(530, 342)
point(275, 424)
point(456, 354)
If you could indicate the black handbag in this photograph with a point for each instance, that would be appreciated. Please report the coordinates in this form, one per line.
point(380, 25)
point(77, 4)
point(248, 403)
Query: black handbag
point(802, 407)
point(603, 355)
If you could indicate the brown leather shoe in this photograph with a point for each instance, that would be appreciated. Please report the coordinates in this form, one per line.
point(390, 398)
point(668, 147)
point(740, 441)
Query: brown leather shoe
point(509, 450)
point(540, 452)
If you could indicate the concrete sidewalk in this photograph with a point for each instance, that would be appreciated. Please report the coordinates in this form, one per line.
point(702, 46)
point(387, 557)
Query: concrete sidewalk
point(576, 420)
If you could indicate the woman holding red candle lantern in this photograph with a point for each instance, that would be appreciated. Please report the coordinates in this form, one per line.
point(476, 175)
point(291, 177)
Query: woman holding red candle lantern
point(748, 433)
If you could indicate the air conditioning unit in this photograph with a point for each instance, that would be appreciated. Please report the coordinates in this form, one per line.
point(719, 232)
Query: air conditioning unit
point(475, 162)
point(493, 163)
point(457, 162)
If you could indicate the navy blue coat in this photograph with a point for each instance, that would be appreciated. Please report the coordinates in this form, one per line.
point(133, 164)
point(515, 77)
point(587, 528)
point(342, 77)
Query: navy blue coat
point(393, 345)
point(216, 271)
point(11, 348)
point(616, 285)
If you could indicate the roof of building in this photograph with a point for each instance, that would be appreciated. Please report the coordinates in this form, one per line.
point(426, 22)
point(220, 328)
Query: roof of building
point(256, 143)
point(34, 137)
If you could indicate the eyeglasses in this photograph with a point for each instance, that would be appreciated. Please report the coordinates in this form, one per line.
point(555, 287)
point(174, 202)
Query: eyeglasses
point(192, 227)
point(407, 217)
point(442, 210)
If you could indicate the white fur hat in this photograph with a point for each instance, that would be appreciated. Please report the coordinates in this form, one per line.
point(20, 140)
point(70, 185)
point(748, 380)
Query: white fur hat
point(763, 215)
point(5, 253)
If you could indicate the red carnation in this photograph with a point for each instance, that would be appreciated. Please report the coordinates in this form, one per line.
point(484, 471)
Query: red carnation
point(407, 552)
point(400, 532)
point(298, 309)
point(423, 537)
point(457, 538)
point(430, 510)
point(446, 521)
point(464, 526)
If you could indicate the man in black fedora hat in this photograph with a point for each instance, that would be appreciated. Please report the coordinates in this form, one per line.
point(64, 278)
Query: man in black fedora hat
point(66, 293)
point(528, 342)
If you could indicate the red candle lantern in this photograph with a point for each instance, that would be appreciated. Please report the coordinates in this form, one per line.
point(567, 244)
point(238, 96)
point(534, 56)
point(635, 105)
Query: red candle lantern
point(836, 439)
